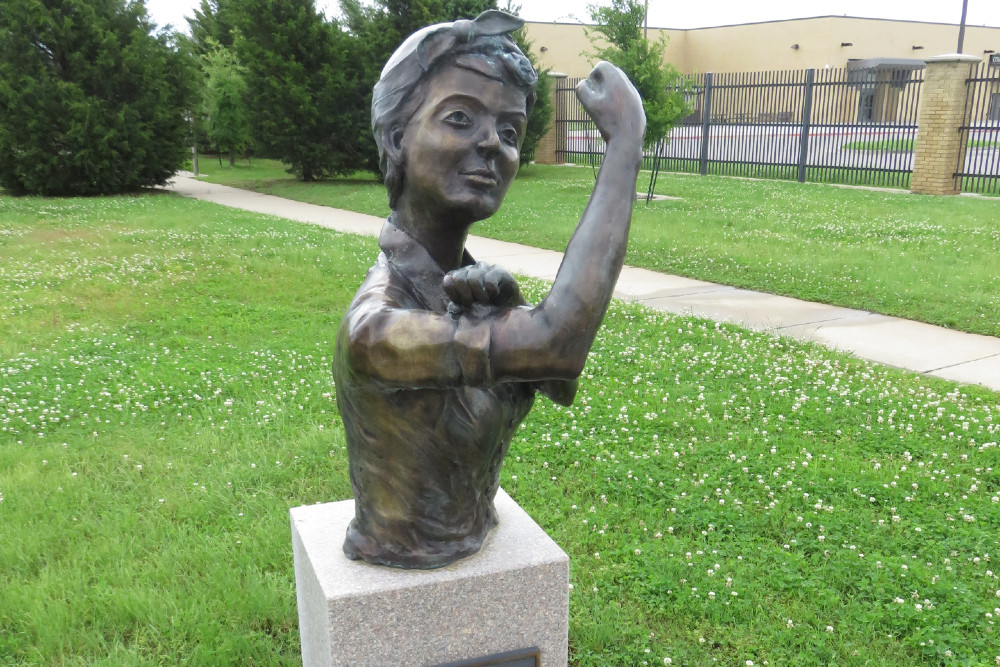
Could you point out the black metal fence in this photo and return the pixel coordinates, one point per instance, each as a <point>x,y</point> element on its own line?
<point>832,125</point>
<point>980,168</point>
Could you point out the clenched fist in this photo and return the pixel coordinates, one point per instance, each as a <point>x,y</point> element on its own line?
<point>613,103</point>
<point>483,284</point>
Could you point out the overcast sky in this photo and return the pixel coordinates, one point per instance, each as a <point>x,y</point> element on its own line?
<point>699,13</point>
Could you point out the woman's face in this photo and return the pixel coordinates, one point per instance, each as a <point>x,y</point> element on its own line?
<point>461,148</point>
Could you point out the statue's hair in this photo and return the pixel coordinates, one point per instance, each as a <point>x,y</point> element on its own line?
<point>404,83</point>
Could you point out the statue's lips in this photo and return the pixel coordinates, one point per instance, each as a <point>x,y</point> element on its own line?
<point>481,177</point>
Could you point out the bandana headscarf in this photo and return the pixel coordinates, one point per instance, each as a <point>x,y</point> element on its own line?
<point>421,50</point>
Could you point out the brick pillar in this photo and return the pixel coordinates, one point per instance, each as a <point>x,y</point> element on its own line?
<point>940,145</point>
<point>545,150</point>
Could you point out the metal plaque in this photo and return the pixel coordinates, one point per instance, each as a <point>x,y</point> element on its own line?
<point>525,657</point>
<point>995,60</point>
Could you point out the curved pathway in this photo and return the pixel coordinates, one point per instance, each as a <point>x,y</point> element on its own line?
<point>932,350</point>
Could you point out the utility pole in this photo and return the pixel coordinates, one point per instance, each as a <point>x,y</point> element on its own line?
<point>645,30</point>
<point>961,26</point>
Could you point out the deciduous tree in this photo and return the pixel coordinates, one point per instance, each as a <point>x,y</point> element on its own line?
<point>618,37</point>
<point>226,111</point>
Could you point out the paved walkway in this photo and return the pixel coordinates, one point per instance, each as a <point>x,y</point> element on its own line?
<point>932,350</point>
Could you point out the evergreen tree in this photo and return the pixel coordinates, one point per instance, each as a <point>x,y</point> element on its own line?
<point>619,38</point>
<point>541,114</point>
<point>380,28</point>
<point>302,80</point>
<point>91,101</point>
<point>395,20</point>
<point>212,23</point>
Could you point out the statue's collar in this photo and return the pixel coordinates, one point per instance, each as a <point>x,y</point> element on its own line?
<point>412,261</point>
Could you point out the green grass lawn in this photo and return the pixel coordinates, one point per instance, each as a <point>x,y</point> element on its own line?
<point>890,145</point>
<point>933,259</point>
<point>860,176</point>
<point>724,496</point>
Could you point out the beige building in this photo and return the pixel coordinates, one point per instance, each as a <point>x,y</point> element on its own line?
<point>818,42</point>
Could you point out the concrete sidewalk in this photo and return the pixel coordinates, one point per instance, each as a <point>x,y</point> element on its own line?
<point>935,351</point>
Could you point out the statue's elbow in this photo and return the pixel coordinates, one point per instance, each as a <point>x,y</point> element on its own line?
<point>576,365</point>
<point>569,361</point>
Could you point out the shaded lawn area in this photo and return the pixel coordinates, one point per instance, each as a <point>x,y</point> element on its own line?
<point>931,259</point>
<point>724,495</point>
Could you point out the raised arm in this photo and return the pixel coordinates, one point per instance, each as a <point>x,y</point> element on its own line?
<point>552,340</point>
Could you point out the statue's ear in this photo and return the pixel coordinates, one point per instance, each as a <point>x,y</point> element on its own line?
<point>394,144</point>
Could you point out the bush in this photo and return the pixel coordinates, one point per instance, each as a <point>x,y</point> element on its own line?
<point>91,101</point>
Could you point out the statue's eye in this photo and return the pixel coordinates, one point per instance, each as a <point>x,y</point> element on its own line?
<point>458,119</point>
<point>509,136</point>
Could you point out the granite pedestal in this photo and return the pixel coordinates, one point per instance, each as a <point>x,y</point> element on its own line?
<point>513,594</point>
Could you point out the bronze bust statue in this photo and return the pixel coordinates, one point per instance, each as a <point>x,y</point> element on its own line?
<point>438,357</point>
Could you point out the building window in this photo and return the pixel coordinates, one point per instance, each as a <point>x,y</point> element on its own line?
<point>866,105</point>
<point>994,112</point>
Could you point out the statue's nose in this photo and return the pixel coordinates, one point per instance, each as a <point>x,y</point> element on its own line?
<point>489,143</point>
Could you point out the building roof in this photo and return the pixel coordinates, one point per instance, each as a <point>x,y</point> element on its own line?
<point>802,18</point>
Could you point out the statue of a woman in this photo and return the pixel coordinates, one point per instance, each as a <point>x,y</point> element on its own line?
<point>438,357</point>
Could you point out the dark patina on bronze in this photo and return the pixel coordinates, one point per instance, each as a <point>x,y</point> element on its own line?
<point>438,358</point>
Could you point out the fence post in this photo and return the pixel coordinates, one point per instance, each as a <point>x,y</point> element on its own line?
<point>706,115</point>
<point>545,149</point>
<point>807,103</point>
<point>940,147</point>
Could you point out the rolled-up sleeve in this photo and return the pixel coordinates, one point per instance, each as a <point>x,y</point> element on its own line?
<point>413,348</point>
